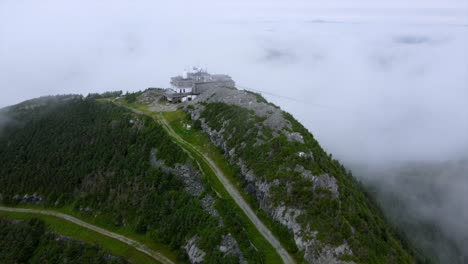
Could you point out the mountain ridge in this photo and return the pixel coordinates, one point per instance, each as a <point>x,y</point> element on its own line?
<point>280,168</point>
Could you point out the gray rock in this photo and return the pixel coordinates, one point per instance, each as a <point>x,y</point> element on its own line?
<point>157,163</point>
<point>299,168</point>
<point>307,174</point>
<point>326,181</point>
<point>295,137</point>
<point>262,192</point>
<point>274,116</point>
<point>150,96</point>
<point>287,217</point>
<point>208,204</point>
<point>259,142</point>
<point>189,175</point>
<point>308,155</point>
<point>195,254</point>
<point>250,189</point>
<point>29,199</point>
<point>229,246</point>
<point>319,253</point>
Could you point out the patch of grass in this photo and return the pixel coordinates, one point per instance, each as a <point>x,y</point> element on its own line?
<point>125,231</point>
<point>63,227</point>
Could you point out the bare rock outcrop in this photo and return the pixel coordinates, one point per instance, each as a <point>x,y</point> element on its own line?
<point>323,181</point>
<point>208,203</point>
<point>189,175</point>
<point>151,96</point>
<point>195,254</point>
<point>327,254</point>
<point>274,118</point>
<point>295,137</point>
<point>229,246</point>
<point>28,198</point>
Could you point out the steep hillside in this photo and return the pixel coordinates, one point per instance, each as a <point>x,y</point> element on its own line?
<point>290,177</point>
<point>119,168</point>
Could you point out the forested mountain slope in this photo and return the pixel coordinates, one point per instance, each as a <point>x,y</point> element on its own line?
<point>291,178</point>
<point>113,165</point>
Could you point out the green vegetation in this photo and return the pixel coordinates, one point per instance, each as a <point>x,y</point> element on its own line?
<point>104,95</point>
<point>95,158</point>
<point>252,243</point>
<point>201,141</point>
<point>353,217</point>
<point>132,97</point>
<point>63,227</point>
<point>30,241</point>
<point>91,159</point>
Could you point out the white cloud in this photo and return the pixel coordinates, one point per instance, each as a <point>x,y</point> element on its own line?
<point>390,90</point>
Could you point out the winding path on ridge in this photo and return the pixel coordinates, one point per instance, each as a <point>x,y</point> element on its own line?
<point>233,192</point>
<point>138,246</point>
<point>236,196</point>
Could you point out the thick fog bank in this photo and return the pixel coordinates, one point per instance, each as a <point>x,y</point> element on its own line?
<point>428,201</point>
<point>369,92</point>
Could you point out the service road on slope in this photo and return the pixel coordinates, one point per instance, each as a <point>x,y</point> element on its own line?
<point>138,246</point>
<point>236,196</point>
<point>232,191</point>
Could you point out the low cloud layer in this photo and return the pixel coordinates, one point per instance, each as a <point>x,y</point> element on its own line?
<point>412,40</point>
<point>275,55</point>
<point>428,200</point>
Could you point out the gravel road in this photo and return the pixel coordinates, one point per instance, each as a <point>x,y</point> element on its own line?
<point>138,246</point>
<point>227,185</point>
<point>236,196</point>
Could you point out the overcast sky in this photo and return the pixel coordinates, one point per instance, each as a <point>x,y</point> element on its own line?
<point>373,80</point>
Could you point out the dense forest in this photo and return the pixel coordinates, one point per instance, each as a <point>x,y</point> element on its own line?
<point>29,241</point>
<point>95,157</point>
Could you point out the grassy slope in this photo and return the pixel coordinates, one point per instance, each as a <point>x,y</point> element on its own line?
<point>144,239</point>
<point>202,142</point>
<point>63,227</point>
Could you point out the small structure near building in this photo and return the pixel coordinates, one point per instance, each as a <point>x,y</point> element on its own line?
<point>191,83</point>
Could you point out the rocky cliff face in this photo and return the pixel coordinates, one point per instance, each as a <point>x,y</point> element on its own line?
<point>189,175</point>
<point>260,187</point>
<point>195,254</point>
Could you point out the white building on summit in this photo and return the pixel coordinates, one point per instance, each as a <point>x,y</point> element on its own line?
<point>193,82</point>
